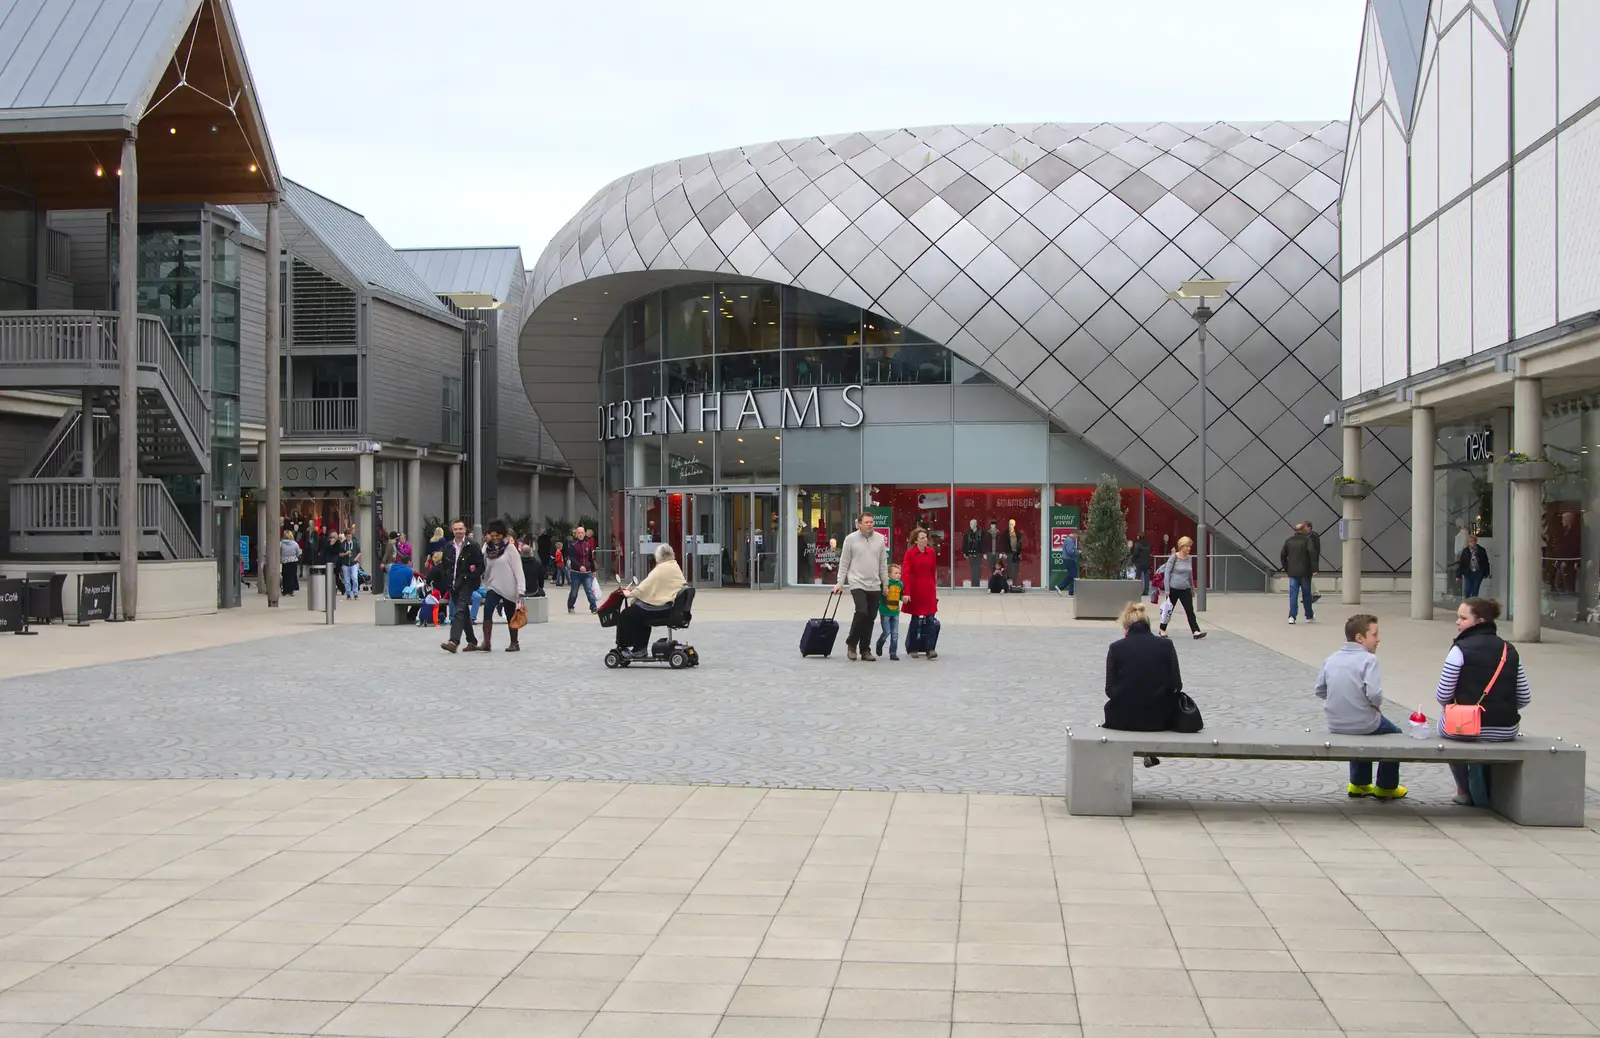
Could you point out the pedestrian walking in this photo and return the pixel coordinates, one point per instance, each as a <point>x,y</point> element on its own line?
<point>504,580</point>
<point>1472,567</point>
<point>889,606</point>
<point>864,569</point>
<point>463,561</point>
<point>580,568</point>
<point>920,569</point>
<point>350,566</point>
<point>291,564</point>
<point>1177,576</point>
<point>1139,559</point>
<point>1299,562</point>
<point>1070,557</point>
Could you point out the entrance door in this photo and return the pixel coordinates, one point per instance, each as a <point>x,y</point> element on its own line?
<point>752,549</point>
<point>644,527</point>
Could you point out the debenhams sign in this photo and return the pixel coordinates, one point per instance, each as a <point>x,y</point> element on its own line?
<point>714,412</point>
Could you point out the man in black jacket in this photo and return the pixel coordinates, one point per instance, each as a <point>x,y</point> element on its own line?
<point>465,562</point>
<point>1472,566</point>
<point>1299,561</point>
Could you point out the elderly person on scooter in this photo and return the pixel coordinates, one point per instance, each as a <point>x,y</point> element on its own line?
<point>649,603</point>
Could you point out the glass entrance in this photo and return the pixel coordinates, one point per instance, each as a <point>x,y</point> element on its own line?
<point>752,548</point>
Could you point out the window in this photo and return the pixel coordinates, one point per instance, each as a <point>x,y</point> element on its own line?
<point>911,507</point>
<point>747,318</point>
<point>642,380</point>
<point>611,345</point>
<point>820,322</point>
<point>750,456</point>
<point>18,227</point>
<point>912,364</point>
<point>688,459</point>
<point>738,372</point>
<point>688,321</point>
<point>826,515</point>
<point>688,376</point>
<point>1003,510</point>
<point>643,338</point>
<point>450,407</point>
<point>836,367</point>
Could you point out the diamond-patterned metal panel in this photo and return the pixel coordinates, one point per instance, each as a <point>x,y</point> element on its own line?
<point>1042,253</point>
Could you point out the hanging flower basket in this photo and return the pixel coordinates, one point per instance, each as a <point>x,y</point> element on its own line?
<point>1351,489</point>
<point>1533,470</point>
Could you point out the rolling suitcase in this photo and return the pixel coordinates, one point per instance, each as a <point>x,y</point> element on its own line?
<point>926,636</point>
<point>820,633</point>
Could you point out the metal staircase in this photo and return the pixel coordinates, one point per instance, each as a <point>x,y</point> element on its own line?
<point>66,508</point>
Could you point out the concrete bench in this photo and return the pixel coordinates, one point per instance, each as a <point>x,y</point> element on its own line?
<point>391,612</point>
<point>538,608</point>
<point>1534,780</point>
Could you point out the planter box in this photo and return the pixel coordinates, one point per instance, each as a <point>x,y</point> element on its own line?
<point>1526,471</point>
<point>1352,491</point>
<point>1104,599</point>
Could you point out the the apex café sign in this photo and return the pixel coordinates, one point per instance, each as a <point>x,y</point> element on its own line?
<point>734,412</point>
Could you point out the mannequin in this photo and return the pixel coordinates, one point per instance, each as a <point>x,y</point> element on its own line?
<point>994,543</point>
<point>829,563</point>
<point>972,548</point>
<point>1014,549</point>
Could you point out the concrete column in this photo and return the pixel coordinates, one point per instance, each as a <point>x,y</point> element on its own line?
<point>414,531</point>
<point>1350,590</point>
<point>128,393</point>
<point>572,499</point>
<point>365,528</point>
<point>1423,440</point>
<point>271,554</point>
<point>535,514</point>
<point>452,496</point>
<point>1527,502</point>
<point>266,532</point>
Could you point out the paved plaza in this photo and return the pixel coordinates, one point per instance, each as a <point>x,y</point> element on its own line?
<point>276,828</point>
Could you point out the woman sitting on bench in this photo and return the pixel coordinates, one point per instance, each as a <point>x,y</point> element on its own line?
<point>649,602</point>
<point>1142,678</point>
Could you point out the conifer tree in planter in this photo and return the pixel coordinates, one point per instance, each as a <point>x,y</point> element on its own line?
<point>1105,589</point>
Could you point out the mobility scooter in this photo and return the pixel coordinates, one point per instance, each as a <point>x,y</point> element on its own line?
<point>675,654</point>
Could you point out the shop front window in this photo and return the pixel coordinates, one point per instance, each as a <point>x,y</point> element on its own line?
<point>750,456</point>
<point>826,515</point>
<point>688,376</point>
<point>739,372</point>
<point>1464,503</point>
<point>1571,562</point>
<point>836,367</point>
<point>818,322</point>
<point>642,380</point>
<point>643,331</point>
<point>748,317</point>
<point>688,321</point>
<point>1008,524</point>
<point>688,459</point>
<point>911,507</point>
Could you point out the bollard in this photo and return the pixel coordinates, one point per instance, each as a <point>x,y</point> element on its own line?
<point>330,598</point>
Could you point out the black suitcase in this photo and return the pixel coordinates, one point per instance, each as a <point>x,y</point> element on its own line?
<point>927,639</point>
<point>820,633</point>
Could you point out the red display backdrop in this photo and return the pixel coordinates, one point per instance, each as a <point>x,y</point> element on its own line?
<point>1003,504</point>
<point>911,507</point>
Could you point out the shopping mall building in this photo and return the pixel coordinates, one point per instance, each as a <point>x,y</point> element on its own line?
<point>1471,292</point>
<point>956,326</point>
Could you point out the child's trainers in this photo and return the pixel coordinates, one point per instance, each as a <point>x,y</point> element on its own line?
<point>894,656</point>
<point>1361,791</point>
<point>1389,794</point>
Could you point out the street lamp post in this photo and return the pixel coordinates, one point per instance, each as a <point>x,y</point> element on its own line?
<point>1202,290</point>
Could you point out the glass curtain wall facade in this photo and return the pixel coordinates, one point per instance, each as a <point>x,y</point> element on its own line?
<point>19,242</point>
<point>1571,555</point>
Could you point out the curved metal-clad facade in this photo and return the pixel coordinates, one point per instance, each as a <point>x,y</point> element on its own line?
<point>1041,253</point>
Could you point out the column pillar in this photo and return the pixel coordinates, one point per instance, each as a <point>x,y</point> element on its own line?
<point>572,499</point>
<point>452,496</point>
<point>364,524</point>
<point>414,531</point>
<point>1424,437</point>
<point>1527,500</point>
<point>270,571</point>
<point>535,514</point>
<point>1350,582</point>
<point>128,395</point>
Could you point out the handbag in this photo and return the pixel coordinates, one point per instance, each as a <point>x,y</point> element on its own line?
<point>1465,721</point>
<point>1186,715</point>
<point>519,619</point>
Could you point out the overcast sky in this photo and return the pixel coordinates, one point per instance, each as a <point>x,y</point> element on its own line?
<point>491,122</point>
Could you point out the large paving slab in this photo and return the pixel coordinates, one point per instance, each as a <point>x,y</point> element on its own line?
<point>362,702</point>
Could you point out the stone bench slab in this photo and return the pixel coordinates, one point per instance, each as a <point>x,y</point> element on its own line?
<point>1534,779</point>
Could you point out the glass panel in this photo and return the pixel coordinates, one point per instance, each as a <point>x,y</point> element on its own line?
<point>18,230</point>
<point>738,372</point>
<point>1009,524</point>
<point>1571,571</point>
<point>819,322</point>
<point>1464,492</point>
<point>644,329</point>
<point>923,364</point>
<point>643,380</point>
<point>750,456</point>
<point>644,460</point>
<point>965,374</point>
<point>837,367</point>
<point>747,318</point>
<point>1164,525</point>
<point>688,376</point>
<point>688,321</point>
<point>911,507</point>
<point>688,460</point>
<point>224,255</point>
<point>611,345</point>
<point>14,296</point>
<point>611,384</point>
<point>826,514</point>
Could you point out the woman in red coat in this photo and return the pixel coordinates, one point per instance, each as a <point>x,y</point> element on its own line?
<point>919,572</point>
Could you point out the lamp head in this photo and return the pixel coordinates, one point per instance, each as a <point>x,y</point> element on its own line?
<point>1201,290</point>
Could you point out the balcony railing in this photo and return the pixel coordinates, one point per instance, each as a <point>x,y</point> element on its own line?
<point>58,255</point>
<point>53,514</point>
<point>335,414</point>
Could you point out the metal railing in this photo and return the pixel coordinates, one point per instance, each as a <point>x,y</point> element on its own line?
<point>324,415</point>
<point>42,339</point>
<point>88,508</point>
<point>1228,572</point>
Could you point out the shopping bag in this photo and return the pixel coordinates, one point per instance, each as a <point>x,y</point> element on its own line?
<point>519,619</point>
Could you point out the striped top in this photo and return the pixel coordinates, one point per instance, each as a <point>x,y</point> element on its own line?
<point>1450,677</point>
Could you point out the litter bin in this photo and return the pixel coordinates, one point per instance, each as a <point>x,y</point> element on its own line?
<point>317,590</point>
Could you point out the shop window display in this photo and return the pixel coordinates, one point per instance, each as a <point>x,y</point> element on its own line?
<point>1008,523</point>
<point>1570,568</point>
<point>911,507</point>
<point>826,515</point>
<point>1464,503</point>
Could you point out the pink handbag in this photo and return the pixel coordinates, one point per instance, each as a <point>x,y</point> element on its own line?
<point>1467,721</point>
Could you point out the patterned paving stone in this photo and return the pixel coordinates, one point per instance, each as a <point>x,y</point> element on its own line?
<point>986,717</point>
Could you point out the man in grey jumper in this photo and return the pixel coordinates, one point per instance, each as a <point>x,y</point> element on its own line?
<point>864,569</point>
<point>1350,685</point>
